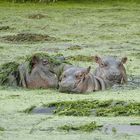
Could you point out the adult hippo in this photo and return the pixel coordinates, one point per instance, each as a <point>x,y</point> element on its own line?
<point>36,72</point>
<point>111,70</point>
<point>39,76</point>
<point>79,80</point>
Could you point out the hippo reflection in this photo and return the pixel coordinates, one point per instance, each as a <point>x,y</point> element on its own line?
<point>77,79</point>
<point>40,75</point>
<point>111,70</point>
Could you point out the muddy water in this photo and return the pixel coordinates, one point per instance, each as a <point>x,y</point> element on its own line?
<point>121,129</point>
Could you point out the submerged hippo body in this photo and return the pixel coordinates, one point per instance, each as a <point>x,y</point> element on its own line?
<point>40,75</point>
<point>79,80</point>
<point>111,70</point>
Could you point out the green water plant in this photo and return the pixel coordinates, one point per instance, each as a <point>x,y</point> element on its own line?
<point>89,127</point>
<point>6,69</point>
<point>96,108</point>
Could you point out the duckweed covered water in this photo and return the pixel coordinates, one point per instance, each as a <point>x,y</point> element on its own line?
<point>87,108</point>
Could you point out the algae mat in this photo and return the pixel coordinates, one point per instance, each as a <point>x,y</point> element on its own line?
<point>79,31</point>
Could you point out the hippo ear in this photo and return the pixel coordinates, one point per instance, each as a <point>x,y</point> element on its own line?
<point>35,60</point>
<point>124,59</point>
<point>97,59</point>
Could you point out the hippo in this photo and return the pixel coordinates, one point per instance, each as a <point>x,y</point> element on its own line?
<point>39,77</point>
<point>111,70</point>
<point>80,80</point>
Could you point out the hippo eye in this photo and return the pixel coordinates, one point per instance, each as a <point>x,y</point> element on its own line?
<point>79,76</point>
<point>103,65</point>
<point>45,62</point>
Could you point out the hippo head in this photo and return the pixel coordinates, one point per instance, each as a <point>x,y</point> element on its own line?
<point>41,76</point>
<point>41,63</point>
<point>111,69</point>
<point>72,79</point>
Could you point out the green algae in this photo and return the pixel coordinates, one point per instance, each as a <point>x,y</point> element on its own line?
<point>28,110</point>
<point>134,123</point>
<point>83,58</point>
<point>51,58</point>
<point>89,127</point>
<point>96,108</point>
<point>75,47</point>
<point>55,62</point>
<point>28,37</point>
<point>7,69</point>
<point>2,129</point>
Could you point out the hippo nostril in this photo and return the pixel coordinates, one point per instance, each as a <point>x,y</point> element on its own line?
<point>114,73</point>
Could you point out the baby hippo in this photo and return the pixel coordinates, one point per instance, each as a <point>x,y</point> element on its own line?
<point>79,80</point>
<point>111,70</point>
<point>40,75</point>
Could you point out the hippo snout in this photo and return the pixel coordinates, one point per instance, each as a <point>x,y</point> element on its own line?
<point>114,76</point>
<point>66,86</point>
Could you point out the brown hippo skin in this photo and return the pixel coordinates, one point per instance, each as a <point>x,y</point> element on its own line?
<point>79,80</point>
<point>40,75</point>
<point>111,70</point>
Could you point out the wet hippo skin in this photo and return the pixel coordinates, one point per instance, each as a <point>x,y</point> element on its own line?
<point>111,70</point>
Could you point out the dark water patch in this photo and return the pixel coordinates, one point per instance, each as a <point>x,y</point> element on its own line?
<point>40,110</point>
<point>28,37</point>
<point>96,108</point>
<point>86,128</point>
<point>36,16</point>
<point>120,129</point>
<point>43,110</point>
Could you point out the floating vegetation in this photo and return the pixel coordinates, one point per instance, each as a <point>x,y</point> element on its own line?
<point>81,58</point>
<point>2,129</point>
<point>89,127</point>
<point>36,16</point>
<point>53,60</point>
<point>75,47</point>
<point>4,28</point>
<point>135,123</point>
<point>96,108</point>
<point>28,37</point>
<point>28,110</point>
<point>7,69</point>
